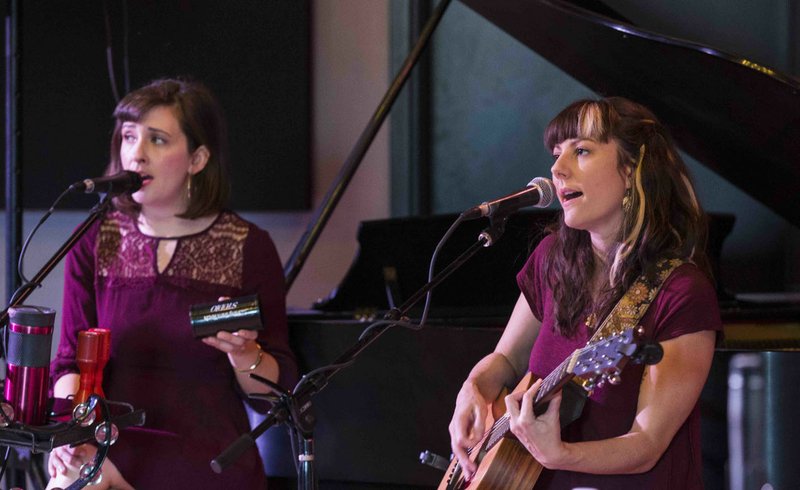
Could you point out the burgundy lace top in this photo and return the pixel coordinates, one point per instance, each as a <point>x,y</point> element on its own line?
<point>194,407</point>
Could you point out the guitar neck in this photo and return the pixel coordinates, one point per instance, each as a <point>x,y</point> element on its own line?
<point>551,384</point>
<point>554,382</point>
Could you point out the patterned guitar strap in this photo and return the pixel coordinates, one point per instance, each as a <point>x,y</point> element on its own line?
<point>634,303</point>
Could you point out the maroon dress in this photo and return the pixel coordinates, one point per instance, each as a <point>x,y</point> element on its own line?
<point>194,406</point>
<point>687,303</point>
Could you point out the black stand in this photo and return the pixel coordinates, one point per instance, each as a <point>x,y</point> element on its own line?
<point>295,409</point>
<point>28,288</point>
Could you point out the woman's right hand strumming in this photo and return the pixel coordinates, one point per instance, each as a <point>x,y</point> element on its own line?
<point>468,424</point>
<point>488,378</point>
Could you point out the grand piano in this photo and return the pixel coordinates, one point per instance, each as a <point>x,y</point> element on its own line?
<point>377,415</point>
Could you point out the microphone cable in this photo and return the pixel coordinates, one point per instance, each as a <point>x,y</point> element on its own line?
<point>112,78</point>
<point>26,283</point>
<point>310,376</point>
<point>20,262</point>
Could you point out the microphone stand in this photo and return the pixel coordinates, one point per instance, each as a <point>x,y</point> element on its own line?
<point>295,408</point>
<point>26,289</point>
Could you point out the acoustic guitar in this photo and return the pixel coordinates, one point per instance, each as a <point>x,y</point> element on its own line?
<point>503,462</point>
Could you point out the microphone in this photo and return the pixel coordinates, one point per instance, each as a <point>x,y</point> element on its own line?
<point>539,193</point>
<point>125,181</point>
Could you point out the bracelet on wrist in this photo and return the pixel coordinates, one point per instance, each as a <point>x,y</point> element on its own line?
<point>255,364</point>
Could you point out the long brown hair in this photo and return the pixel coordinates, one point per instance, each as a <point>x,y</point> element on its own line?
<point>662,220</point>
<point>201,120</point>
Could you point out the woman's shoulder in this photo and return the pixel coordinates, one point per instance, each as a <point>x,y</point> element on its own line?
<point>255,239</point>
<point>232,219</point>
<point>119,219</point>
<point>111,223</point>
<point>688,278</point>
<point>687,301</point>
<point>545,244</point>
<point>542,251</point>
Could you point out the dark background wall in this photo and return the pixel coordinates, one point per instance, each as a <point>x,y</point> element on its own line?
<point>253,54</point>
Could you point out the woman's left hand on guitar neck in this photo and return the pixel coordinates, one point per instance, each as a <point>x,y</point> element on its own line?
<point>540,435</point>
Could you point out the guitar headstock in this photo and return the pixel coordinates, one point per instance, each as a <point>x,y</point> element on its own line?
<point>604,359</point>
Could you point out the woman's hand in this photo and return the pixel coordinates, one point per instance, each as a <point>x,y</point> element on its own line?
<point>540,435</point>
<point>241,346</point>
<point>468,425</point>
<point>64,466</point>
<point>68,459</point>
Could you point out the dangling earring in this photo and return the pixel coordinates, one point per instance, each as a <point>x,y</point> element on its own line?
<point>189,188</point>
<point>627,201</point>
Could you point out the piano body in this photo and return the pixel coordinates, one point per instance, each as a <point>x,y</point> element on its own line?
<point>377,415</point>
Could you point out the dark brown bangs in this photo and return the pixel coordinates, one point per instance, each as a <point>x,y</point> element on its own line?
<point>587,119</point>
<point>135,106</point>
<point>138,103</point>
<point>129,113</point>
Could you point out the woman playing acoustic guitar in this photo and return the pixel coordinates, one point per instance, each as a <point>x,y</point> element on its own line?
<point>628,204</point>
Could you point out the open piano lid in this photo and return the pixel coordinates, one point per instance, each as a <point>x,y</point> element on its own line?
<point>739,118</point>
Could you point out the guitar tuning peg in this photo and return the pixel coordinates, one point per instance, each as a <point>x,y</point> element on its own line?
<point>614,377</point>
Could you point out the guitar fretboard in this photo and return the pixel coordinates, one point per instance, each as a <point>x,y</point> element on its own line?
<point>563,372</point>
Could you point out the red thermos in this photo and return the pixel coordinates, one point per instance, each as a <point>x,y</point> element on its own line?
<point>86,358</point>
<point>103,354</point>
<point>30,335</point>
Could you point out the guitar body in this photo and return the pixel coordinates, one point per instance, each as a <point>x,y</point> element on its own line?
<point>505,466</point>
<point>503,463</point>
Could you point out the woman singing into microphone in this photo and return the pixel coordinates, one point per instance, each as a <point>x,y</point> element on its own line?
<point>170,245</point>
<point>627,205</point>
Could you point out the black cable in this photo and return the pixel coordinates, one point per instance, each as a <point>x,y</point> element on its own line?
<point>310,376</point>
<point>112,78</point>
<point>126,75</point>
<point>399,322</point>
<point>432,266</point>
<point>20,261</point>
<point>429,295</point>
<point>26,283</point>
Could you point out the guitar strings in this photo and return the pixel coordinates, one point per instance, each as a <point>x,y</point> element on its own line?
<point>501,425</point>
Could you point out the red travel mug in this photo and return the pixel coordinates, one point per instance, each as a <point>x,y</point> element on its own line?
<point>30,335</point>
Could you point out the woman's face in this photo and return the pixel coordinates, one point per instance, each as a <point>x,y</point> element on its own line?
<point>590,187</point>
<point>157,149</point>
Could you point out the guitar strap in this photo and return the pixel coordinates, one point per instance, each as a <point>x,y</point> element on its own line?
<point>634,303</point>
